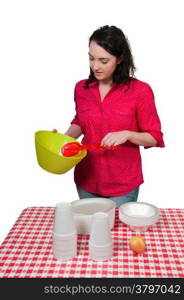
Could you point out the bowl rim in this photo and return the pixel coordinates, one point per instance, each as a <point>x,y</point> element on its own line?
<point>84,199</point>
<point>157,211</point>
<point>81,155</point>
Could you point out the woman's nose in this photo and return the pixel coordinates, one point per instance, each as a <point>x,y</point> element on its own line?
<point>95,66</point>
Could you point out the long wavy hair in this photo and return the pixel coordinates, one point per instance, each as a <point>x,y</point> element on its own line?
<point>114,41</point>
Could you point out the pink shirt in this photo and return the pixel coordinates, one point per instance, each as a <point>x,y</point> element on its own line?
<point>119,171</point>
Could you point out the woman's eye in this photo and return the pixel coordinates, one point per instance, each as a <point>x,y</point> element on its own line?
<point>103,62</point>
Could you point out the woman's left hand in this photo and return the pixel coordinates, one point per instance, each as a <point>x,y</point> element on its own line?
<point>115,138</point>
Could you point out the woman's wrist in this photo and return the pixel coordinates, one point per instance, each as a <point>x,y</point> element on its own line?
<point>141,138</point>
<point>131,135</point>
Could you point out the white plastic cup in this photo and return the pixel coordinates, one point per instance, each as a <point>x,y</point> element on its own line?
<point>100,256</point>
<point>100,253</point>
<point>100,242</point>
<point>100,230</point>
<point>63,219</point>
<point>63,255</point>
<point>64,243</point>
<point>63,248</point>
<point>101,249</point>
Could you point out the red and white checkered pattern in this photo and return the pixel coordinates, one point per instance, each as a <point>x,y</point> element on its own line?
<point>27,250</point>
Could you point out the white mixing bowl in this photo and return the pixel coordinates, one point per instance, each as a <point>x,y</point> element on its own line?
<point>83,210</point>
<point>139,216</point>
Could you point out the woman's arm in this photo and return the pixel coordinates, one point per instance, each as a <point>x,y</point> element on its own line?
<point>120,137</point>
<point>142,139</point>
<point>74,131</point>
<point>147,119</point>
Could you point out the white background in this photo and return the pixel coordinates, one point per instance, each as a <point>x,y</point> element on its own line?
<point>43,53</point>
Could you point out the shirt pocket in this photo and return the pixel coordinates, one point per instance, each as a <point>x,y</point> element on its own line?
<point>120,120</point>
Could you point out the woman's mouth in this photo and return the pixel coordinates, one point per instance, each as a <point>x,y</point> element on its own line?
<point>98,73</point>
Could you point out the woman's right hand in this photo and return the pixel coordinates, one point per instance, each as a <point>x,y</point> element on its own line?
<point>54,130</point>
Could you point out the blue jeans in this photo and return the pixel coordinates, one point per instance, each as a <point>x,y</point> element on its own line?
<point>132,196</point>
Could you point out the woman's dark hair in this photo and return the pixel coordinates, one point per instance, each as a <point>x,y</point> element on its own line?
<point>113,40</point>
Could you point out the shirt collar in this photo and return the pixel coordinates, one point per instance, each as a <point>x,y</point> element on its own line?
<point>96,83</point>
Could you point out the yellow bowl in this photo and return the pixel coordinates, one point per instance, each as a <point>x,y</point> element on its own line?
<point>48,146</point>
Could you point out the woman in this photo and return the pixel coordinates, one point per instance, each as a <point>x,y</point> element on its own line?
<point>113,108</point>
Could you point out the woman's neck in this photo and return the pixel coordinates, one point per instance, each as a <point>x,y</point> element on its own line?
<point>107,82</point>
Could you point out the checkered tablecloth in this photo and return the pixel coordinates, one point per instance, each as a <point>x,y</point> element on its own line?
<point>27,250</point>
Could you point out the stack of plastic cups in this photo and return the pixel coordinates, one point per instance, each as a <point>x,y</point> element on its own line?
<point>100,242</point>
<point>64,233</point>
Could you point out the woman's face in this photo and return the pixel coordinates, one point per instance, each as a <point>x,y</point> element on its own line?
<point>102,63</point>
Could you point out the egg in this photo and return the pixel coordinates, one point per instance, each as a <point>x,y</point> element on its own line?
<point>137,244</point>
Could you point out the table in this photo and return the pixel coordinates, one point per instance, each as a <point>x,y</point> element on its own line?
<point>26,252</point>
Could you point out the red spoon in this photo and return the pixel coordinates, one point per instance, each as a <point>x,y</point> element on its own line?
<point>71,149</point>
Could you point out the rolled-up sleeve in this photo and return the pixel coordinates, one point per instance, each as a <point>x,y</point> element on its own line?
<point>147,116</point>
<point>75,119</point>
